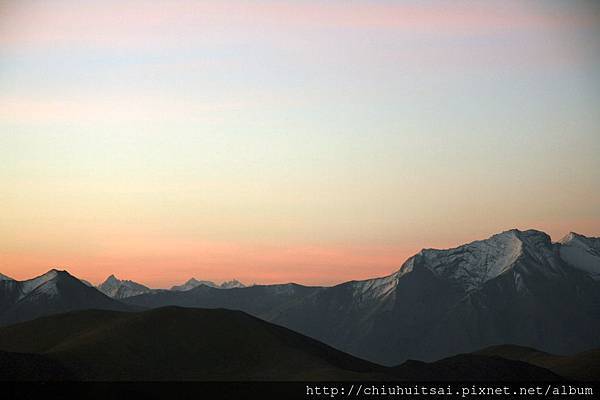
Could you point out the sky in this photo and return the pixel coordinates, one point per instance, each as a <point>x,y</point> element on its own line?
<point>289,141</point>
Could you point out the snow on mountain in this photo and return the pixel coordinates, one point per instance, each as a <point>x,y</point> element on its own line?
<point>32,284</point>
<point>120,289</point>
<point>5,278</point>
<point>194,283</point>
<point>44,283</point>
<point>581,252</point>
<point>232,284</point>
<point>374,289</point>
<point>473,264</point>
<point>468,266</point>
<point>46,289</point>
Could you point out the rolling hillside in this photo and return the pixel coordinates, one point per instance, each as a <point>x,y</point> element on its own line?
<point>179,344</point>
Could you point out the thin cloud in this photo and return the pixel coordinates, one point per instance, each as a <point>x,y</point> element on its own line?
<point>143,24</point>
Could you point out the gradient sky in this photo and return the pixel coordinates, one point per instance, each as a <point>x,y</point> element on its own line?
<point>274,141</point>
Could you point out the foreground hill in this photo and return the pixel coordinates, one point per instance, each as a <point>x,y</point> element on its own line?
<point>51,293</point>
<point>584,366</point>
<point>514,287</point>
<point>197,344</point>
<point>475,368</point>
<point>180,344</point>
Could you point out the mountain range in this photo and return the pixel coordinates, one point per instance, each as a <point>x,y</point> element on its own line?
<point>516,287</point>
<point>194,283</point>
<point>121,289</point>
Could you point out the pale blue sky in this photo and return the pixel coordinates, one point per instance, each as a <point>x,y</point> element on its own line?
<point>293,124</point>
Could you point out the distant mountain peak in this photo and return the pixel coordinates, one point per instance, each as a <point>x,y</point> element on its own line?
<point>112,279</point>
<point>234,283</point>
<point>58,271</point>
<point>191,284</point>
<point>194,283</point>
<point>119,289</point>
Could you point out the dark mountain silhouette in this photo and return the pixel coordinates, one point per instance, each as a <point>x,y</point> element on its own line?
<point>267,302</point>
<point>515,287</point>
<point>51,293</point>
<point>198,344</point>
<point>180,344</point>
<point>584,366</point>
<point>473,367</point>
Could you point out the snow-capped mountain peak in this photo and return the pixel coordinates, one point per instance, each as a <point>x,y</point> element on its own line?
<point>32,284</point>
<point>193,283</point>
<point>582,253</point>
<point>44,284</point>
<point>473,264</point>
<point>112,280</point>
<point>232,284</point>
<point>119,289</point>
